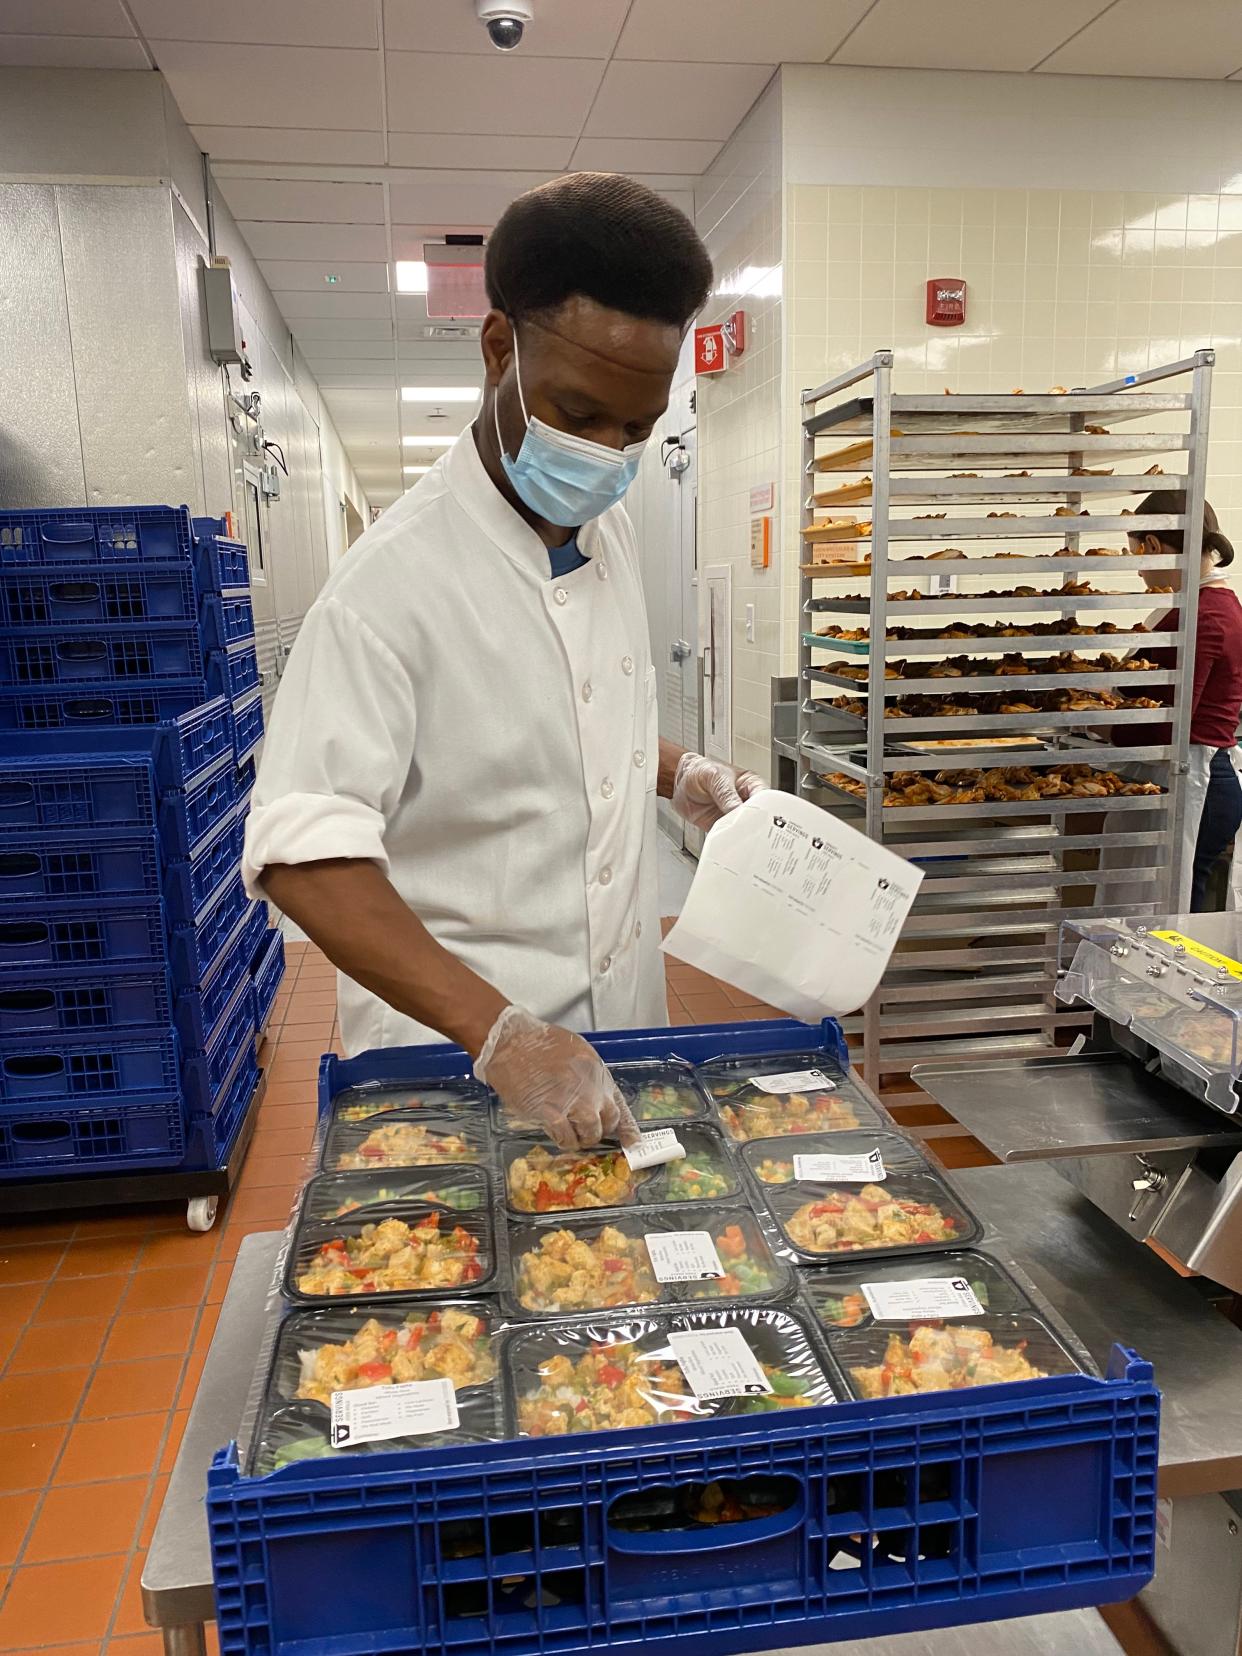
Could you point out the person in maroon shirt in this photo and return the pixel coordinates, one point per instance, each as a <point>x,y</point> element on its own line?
<point>1213,794</point>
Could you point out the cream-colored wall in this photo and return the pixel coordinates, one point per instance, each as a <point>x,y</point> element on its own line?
<point>739,213</point>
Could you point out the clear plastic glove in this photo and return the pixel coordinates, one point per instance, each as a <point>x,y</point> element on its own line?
<point>543,1073</point>
<point>704,790</point>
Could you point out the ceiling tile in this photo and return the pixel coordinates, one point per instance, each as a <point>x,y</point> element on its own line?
<point>306,202</point>
<point>324,327</point>
<point>636,155</point>
<point>71,52</point>
<point>69,17</point>
<point>497,94</point>
<point>674,100</point>
<point>368,414</point>
<point>1201,39</point>
<point>226,85</point>
<point>346,352</point>
<point>981,34</point>
<point>332,302</point>
<point>326,242</point>
<point>561,28</point>
<point>307,276</point>
<point>295,145</point>
<point>738,31</point>
<point>456,149</point>
<point>276,22</point>
<point>447,198</point>
<point>349,380</point>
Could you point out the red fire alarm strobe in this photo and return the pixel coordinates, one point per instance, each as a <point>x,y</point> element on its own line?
<point>710,356</point>
<point>946,302</point>
<point>735,333</point>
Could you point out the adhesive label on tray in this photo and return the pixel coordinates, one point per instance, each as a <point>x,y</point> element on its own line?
<point>926,1297</point>
<point>868,1169</point>
<point>654,1149</point>
<point>719,1363</point>
<point>683,1256</point>
<point>374,1413</point>
<point>796,1081</point>
<point>1200,951</point>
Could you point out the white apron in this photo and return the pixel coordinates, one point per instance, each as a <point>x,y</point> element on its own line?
<point>489,737</point>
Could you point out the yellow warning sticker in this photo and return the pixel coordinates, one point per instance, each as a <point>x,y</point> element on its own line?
<point>1198,951</point>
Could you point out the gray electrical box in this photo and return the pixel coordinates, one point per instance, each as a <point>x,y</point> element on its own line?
<point>224,336</point>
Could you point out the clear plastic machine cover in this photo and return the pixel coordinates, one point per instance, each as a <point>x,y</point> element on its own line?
<point>1172,989</point>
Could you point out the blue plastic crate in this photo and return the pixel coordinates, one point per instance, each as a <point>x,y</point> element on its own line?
<point>247,727</point>
<point>188,815</point>
<point>188,745</point>
<point>57,866</point>
<point>222,565</point>
<point>908,1514</point>
<point>96,534</point>
<point>204,1075</point>
<point>60,779</point>
<point>267,971</point>
<point>112,656</point>
<point>77,710</point>
<point>192,885</point>
<point>210,1139</point>
<point>34,1069</point>
<point>49,1002</point>
<point>198,1009</point>
<point>196,948</point>
<point>233,672</point>
<point>101,1138</point>
<point>226,620</point>
<point>122,594</point>
<point>67,934</point>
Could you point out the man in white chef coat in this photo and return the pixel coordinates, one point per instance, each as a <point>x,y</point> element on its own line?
<point>456,799</point>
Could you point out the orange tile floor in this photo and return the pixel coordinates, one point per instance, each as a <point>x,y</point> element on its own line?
<point>104,1326</point>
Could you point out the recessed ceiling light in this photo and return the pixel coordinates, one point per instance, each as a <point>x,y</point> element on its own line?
<point>411,276</point>
<point>410,471</point>
<point>426,439</point>
<point>440,393</point>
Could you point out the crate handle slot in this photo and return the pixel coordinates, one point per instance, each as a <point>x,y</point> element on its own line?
<point>74,592</point>
<point>92,711</point>
<point>67,534</point>
<point>13,794</point>
<point>83,649</point>
<point>27,1000</point>
<point>701,1537</point>
<point>32,1065</point>
<point>40,1132</point>
<point>15,865</point>
<point>16,932</point>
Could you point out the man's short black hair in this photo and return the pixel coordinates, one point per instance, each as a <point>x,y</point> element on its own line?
<point>602,236</point>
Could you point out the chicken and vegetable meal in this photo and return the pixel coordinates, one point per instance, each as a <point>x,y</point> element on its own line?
<point>393,1257</point>
<point>842,1221</point>
<point>451,1344</point>
<point>943,1359</point>
<point>544,1181</point>
<point>768,1115</point>
<point>745,1271</point>
<point>697,1178</point>
<point>565,1272</point>
<point>664,1101</point>
<point>458,1197</point>
<point>407,1144</point>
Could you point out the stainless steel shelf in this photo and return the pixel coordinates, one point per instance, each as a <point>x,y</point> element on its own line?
<point>1000,491</point>
<point>1012,528</point>
<point>997,453</point>
<point>1051,411</point>
<point>967,603</point>
<point>1047,563</point>
<point>992,683</point>
<point>1102,755</point>
<point>1025,643</point>
<point>899,730</point>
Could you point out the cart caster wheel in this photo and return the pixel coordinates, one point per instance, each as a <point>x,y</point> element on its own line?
<point>200,1214</point>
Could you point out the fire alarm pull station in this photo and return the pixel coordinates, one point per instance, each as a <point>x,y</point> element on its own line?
<point>946,302</point>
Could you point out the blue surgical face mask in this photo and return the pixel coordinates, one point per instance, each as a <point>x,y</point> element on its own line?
<point>564,479</point>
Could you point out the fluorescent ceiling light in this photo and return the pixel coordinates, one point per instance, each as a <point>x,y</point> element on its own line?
<point>440,393</point>
<point>424,439</point>
<point>411,276</point>
<point>411,471</point>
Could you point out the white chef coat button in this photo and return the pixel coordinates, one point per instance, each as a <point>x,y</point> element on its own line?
<point>640,758</point>
<point>561,596</point>
<point>587,691</point>
<point>601,569</point>
<point>605,876</point>
<point>606,788</point>
<point>638,928</point>
<point>627,665</point>
<point>604,964</point>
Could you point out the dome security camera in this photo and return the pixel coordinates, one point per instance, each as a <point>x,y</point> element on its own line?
<point>505,22</point>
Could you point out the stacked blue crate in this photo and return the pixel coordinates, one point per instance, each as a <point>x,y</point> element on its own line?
<point>134,972</point>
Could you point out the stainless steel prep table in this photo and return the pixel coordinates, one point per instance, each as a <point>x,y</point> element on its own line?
<point>1105,1285</point>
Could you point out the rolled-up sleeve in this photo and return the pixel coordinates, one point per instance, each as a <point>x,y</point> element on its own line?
<point>338,749</point>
